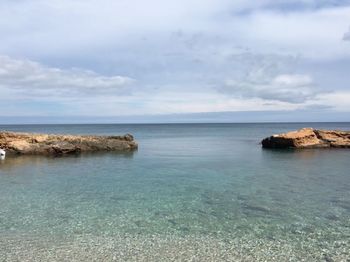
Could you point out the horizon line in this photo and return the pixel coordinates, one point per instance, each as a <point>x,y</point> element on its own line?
<point>181,123</point>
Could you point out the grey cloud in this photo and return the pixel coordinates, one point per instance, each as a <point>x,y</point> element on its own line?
<point>346,36</point>
<point>295,5</point>
<point>318,107</point>
<point>264,77</point>
<point>284,88</point>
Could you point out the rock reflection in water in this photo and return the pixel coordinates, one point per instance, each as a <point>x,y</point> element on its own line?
<point>20,161</point>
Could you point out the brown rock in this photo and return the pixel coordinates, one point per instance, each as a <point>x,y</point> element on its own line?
<point>42,144</point>
<point>309,138</point>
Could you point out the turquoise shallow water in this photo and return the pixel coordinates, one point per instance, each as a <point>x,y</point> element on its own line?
<point>201,183</point>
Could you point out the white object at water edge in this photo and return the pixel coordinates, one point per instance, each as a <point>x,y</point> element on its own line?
<point>2,154</point>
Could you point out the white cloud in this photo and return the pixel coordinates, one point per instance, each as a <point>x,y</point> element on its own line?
<point>33,78</point>
<point>210,102</point>
<point>338,100</point>
<point>292,81</point>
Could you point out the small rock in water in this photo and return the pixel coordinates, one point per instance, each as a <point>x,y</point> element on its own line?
<point>172,221</point>
<point>328,258</point>
<point>343,203</point>
<point>332,216</point>
<point>255,207</point>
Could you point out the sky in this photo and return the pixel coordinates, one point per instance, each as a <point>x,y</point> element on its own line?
<point>174,61</point>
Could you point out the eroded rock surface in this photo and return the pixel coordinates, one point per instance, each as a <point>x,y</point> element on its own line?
<point>309,138</point>
<point>43,144</point>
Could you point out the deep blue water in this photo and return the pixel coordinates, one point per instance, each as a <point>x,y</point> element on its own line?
<point>184,180</point>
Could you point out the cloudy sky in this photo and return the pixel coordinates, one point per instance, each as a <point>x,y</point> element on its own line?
<point>128,60</point>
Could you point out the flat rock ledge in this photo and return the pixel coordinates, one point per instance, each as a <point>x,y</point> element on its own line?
<point>309,138</point>
<point>44,144</point>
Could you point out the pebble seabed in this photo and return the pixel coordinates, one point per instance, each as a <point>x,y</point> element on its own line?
<point>128,247</point>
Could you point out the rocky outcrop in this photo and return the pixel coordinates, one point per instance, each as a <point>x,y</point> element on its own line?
<point>43,144</point>
<point>309,138</point>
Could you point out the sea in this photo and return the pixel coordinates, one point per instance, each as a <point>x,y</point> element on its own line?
<point>191,192</point>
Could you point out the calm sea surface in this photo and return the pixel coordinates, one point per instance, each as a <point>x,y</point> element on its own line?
<point>191,191</point>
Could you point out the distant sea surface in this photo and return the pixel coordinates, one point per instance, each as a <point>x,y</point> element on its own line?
<point>192,192</point>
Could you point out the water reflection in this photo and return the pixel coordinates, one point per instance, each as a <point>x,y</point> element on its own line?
<point>303,154</point>
<point>19,161</point>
